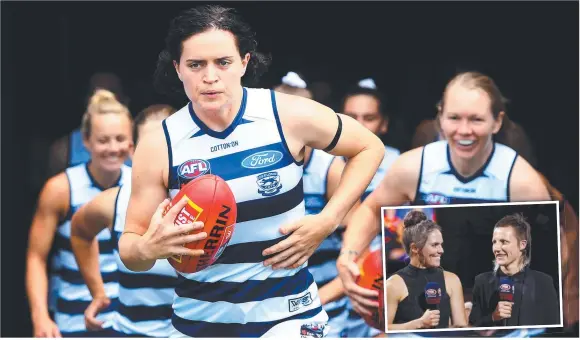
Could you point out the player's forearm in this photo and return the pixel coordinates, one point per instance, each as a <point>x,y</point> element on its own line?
<point>37,286</point>
<point>364,226</point>
<point>356,177</point>
<point>87,256</point>
<point>132,254</point>
<point>331,291</point>
<point>411,325</point>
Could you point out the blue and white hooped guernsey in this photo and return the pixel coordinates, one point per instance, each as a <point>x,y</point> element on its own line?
<point>145,298</point>
<point>322,264</point>
<point>440,183</point>
<point>238,296</point>
<point>73,294</point>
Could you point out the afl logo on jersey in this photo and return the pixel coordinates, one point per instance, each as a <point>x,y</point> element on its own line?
<point>193,168</point>
<point>435,199</point>
<point>262,159</point>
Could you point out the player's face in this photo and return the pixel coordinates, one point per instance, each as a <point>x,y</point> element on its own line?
<point>467,122</point>
<point>433,249</point>
<point>110,141</point>
<point>211,69</point>
<point>506,248</point>
<point>365,110</point>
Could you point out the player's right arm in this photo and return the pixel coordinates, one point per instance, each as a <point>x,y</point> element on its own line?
<point>396,291</point>
<point>53,205</point>
<point>86,224</point>
<point>148,235</point>
<point>397,187</point>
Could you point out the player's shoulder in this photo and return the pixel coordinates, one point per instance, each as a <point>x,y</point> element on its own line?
<point>103,205</point>
<point>55,194</point>
<point>450,276</point>
<point>395,286</point>
<point>57,184</point>
<point>483,277</point>
<point>541,277</point>
<point>395,280</point>
<point>408,162</point>
<point>526,183</point>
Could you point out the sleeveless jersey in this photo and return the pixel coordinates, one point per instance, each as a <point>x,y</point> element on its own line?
<point>73,294</point>
<point>440,183</point>
<point>145,298</point>
<point>238,296</point>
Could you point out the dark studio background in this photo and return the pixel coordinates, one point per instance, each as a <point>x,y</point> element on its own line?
<point>50,49</point>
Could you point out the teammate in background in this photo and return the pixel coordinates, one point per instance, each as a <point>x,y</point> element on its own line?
<point>322,173</point>
<point>70,150</point>
<point>366,105</point>
<point>466,167</point>
<point>106,129</point>
<point>208,50</point>
<point>144,298</point>
<point>512,135</point>
<point>293,84</point>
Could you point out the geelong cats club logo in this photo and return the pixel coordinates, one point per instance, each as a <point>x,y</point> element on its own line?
<point>269,183</point>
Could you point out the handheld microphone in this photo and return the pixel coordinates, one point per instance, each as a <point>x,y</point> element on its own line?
<point>506,292</point>
<point>433,294</point>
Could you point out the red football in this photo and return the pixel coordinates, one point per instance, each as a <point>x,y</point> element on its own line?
<point>371,277</point>
<point>211,201</point>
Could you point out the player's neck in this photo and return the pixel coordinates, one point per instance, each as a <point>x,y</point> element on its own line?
<point>512,268</point>
<point>416,263</point>
<point>467,167</point>
<point>221,119</point>
<point>104,179</point>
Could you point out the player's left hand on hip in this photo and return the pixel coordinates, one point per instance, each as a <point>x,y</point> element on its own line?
<point>306,235</point>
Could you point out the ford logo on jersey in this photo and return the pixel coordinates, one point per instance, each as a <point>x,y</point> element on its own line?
<point>193,168</point>
<point>262,159</point>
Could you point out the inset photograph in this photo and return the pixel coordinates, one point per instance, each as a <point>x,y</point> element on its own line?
<point>472,267</point>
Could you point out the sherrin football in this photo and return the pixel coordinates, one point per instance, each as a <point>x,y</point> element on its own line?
<point>371,277</point>
<point>211,201</point>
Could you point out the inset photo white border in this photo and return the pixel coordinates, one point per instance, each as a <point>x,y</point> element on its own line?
<point>454,206</point>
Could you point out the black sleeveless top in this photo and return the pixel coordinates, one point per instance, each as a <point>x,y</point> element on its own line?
<point>414,305</point>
